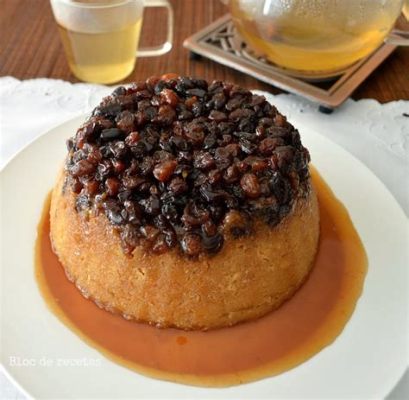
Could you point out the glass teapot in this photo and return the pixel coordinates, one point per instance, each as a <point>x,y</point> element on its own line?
<point>314,36</point>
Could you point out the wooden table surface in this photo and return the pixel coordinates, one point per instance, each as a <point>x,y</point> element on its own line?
<point>30,48</point>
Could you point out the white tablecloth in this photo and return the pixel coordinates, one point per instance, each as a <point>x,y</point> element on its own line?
<point>377,134</point>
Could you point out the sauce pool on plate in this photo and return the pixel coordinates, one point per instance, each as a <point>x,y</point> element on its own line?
<point>275,343</point>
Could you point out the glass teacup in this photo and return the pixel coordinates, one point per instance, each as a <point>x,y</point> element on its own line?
<point>101,37</point>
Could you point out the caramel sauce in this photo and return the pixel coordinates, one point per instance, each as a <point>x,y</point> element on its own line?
<point>283,339</point>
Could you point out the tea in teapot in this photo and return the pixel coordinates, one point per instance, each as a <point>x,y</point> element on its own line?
<point>314,36</point>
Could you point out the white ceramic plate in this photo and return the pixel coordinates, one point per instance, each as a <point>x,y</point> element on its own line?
<point>49,361</point>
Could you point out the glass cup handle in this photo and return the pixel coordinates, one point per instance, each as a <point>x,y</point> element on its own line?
<point>167,45</point>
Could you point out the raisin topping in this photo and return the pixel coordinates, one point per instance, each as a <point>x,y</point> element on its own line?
<point>177,162</point>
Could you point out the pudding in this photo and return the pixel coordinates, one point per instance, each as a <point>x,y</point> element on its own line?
<point>185,204</point>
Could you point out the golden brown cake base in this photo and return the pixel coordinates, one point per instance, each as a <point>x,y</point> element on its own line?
<point>247,278</point>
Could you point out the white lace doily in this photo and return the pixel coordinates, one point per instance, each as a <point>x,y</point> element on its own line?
<point>377,134</point>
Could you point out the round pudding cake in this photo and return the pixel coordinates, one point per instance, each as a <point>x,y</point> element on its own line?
<point>185,204</point>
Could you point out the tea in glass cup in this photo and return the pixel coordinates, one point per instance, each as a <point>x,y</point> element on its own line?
<point>317,36</point>
<point>100,37</point>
